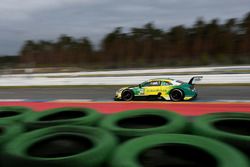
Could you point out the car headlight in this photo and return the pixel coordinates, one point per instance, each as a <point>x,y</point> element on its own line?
<point>119,91</point>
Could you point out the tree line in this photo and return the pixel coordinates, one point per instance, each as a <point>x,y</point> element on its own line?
<point>8,61</point>
<point>203,43</point>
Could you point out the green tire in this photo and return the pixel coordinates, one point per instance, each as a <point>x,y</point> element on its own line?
<point>232,128</point>
<point>13,114</point>
<point>8,132</point>
<point>60,146</point>
<point>176,150</point>
<point>135,123</point>
<point>62,116</point>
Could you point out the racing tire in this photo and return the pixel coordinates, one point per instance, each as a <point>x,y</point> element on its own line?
<point>60,146</point>
<point>176,150</point>
<point>13,114</point>
<point>61,116</point>
<point>135,123</point>
<point>127,95</point>
<point>232,128</point>
<point>176,95</point>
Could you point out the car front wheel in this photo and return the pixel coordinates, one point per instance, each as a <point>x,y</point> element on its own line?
<point>127,95</point>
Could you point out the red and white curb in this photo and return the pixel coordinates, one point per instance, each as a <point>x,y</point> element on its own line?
<point>110,100</point>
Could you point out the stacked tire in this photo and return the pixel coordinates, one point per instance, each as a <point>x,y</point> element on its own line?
<point>62,116</point>
<point>60,146</point>
<point>11,119</point>
<point>7,133</point>
<point>177,150</point>
<point>14,114</point>
<point>135,123</point>
<point>231,128</point>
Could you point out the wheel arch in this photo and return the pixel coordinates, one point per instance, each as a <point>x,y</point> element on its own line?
<point>177,88</point>
<point>129,90</point>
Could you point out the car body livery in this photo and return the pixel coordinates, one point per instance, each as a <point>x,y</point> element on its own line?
<point>161,88</point>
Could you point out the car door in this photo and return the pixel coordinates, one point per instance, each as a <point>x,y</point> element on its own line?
<point>152,88</point>
<point>165,88</point>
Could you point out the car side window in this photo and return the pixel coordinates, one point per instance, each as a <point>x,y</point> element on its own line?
<point>152,83</point>
<point>155,83</point>
<point>165,83</point>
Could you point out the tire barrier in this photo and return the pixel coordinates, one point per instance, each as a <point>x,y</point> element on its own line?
<point>176,150</point>
<point>135,123</point>
<point>13,113</point>
<point>232,128</point>
<point>67,140</point>
<point>62,116</point>
<point>60,146</point>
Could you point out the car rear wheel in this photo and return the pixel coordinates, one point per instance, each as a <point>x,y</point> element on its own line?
<point>127,95</point>
<point>176,95</point>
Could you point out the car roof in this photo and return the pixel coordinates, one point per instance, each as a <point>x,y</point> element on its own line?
<point>161,79</point>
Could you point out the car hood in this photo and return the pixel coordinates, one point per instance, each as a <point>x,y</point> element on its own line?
<point>121,89</point>
<point>128,87</point>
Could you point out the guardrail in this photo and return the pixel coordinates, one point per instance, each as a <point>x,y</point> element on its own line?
<point>220,69</point>
<point>124,80</point>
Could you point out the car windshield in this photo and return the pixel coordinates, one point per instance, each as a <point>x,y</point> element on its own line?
<point>145,84</point>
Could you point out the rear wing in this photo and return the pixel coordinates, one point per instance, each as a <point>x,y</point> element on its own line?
<point>195,79</point>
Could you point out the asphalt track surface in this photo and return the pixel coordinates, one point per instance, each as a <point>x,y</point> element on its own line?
<point>106,93</point>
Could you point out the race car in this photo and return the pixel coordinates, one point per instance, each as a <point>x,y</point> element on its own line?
<point>160,88</point>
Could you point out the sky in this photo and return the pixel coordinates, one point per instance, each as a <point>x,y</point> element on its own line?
<point>48,19</point>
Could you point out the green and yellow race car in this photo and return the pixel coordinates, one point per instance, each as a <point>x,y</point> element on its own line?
<point>161,88</point>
